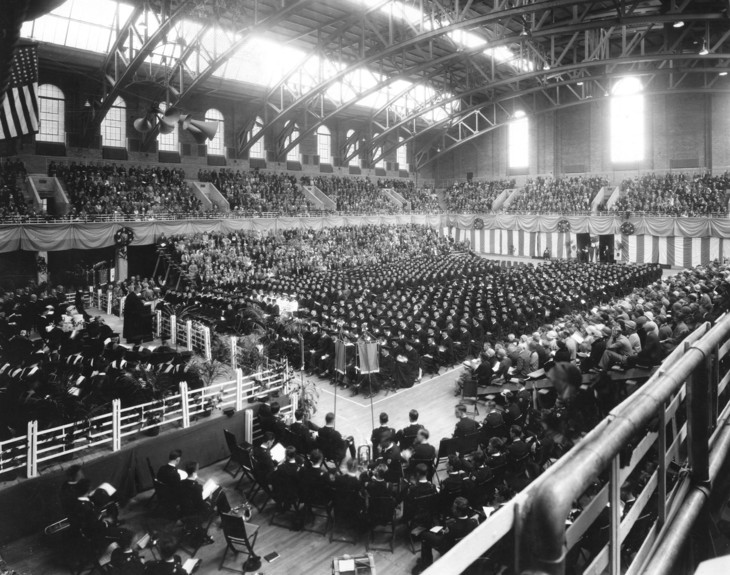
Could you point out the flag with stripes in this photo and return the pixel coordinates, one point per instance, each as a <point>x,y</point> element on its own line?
<point>19,107</point>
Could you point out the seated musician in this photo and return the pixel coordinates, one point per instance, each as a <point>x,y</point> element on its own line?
<point>195,504</point>
<point>76,486</point>
<point>456,528</point>
<point>125,560</point>
<point>331,441</point>
<point>88,520</point>
<point>169,562</point>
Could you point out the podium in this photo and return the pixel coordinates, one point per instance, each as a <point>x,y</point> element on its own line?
<point>354,565</point>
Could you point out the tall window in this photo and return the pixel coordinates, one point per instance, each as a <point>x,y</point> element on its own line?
<point>53,114</point>
<point>353,148</point>
<point>518,141</point>
<point>401,155</point>
<point>627,121</point>
<point>324,145</point>
<point>381,162</point>
<point>293,154</point>
<point>216,146</point>
<point>257,149</point>
<point>167,142</point>
<point>114,125</point>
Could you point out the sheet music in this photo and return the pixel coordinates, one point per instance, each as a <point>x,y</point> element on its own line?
<point>190,565</point>
<point>182,474</point>
<point>209,487</point>
<point>278,452</point>
<point>110,489</point>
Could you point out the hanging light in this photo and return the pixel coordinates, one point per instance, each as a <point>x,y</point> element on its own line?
<point>678,24</point>
<point>723,74</point>
<point>704,51</point>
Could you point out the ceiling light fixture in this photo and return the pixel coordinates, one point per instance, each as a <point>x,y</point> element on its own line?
<point>580,83</point>
<point>723,73</point>
<point>704,51</point>
<point>678,24</point>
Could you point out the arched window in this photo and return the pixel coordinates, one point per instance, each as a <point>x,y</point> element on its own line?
<point>293,154</point>
<point>257,149</point>
<point>353,148</point>
<point>627,121</point>
<point>518,141</point>
<point>52,105</point>
<point>167,142</point>
<point>114,125</point>
<point>324,145</point>
<point>402,155</point>
<point>216,146</point>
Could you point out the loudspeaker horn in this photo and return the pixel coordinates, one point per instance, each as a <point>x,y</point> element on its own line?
<point>142,125</point>
<point>166,128</point>
<point>170,117</point>
<point>201,131</point>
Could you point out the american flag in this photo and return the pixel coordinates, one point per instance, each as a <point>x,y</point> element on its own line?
<point>19,107</point>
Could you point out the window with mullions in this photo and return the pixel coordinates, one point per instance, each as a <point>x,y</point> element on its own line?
<point>293,154</point>
<point>324,145</point>
<point>114,125</point>
<point>402,155</point>
<point>627,121</point>
<point>353,148</point>
<point>518,141</point>
<point>167,142</point>
<point>257,149</point>
<point>216,146</point>
<point>52,104</point>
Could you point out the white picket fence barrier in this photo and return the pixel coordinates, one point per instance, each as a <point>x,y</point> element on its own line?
<point>41,448</point>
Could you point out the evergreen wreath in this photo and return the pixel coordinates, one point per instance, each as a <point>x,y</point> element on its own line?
<point>478,223</point>
<point>627,228</point>
<point>123,237</point>
<point>564,226</point>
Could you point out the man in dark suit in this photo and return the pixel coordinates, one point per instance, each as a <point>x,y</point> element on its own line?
<point>465,426</point>
<point>314,481</point>
<point>380,433</point>
<point>169,474</point>
<point>348,493</point>
<point>193,507</point>
<point>331,442</point>
<point>406,436</point>
<point>263,461</point>
<point>456,529</point>
<point>306,430</point>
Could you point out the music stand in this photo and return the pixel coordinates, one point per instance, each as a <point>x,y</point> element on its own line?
<point>367,362</point>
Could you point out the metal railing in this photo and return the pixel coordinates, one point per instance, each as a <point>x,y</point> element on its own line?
<point>212,215</point>
<point>533,526</point>
<point>40,448</point>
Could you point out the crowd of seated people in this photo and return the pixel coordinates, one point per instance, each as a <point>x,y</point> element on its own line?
<point>256,192</point>
<point>428,310</point>
<point>247,258</point>
<point>678,195</point>
<point>422,200</point>
<point>475,197</point>
<point>60,365</point>
<point>111,189</point>
<point>558,195</point>
<point>12,202</point>
<point>355,195</point>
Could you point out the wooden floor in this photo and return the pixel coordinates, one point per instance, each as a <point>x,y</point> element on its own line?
<point>300,552</point>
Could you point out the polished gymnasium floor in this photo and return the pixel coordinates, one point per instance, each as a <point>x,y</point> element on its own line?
<point>300,552</point>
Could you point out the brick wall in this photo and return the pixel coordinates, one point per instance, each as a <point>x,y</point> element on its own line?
<point>684,132</point>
